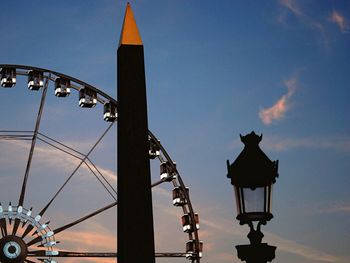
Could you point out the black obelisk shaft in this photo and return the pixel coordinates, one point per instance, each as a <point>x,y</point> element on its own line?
<point>135,215</point>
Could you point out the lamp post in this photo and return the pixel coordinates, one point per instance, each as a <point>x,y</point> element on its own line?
<point>252,176</point>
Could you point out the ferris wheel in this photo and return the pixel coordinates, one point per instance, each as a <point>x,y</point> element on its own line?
<point>26,232</point>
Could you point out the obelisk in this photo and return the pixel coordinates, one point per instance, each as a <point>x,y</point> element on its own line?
<point>135,216</point>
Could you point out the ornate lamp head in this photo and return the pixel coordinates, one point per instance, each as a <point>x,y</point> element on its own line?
<point>252,175</point>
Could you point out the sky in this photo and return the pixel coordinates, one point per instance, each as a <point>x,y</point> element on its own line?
<point>214,70</point>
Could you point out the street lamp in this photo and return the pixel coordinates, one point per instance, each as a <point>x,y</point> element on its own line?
<point>252,176</point>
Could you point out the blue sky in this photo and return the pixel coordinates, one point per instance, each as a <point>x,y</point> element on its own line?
<point>214,69</point>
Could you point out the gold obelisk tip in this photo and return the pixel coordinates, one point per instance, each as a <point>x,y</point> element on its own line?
<point>130,34</point>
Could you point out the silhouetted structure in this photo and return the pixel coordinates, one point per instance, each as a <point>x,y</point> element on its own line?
<point>252,175</point>
<point>135,218</point>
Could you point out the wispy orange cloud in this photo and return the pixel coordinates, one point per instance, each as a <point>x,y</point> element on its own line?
<point>278,110</point>
<point>99,240</point>
<point>337,143</point>
<point>219,230</point>
<point>336,208</point>
<point>93,237</point>
<point>90,241</point>
<point>307,252</point>
<point>339,20</point>
<point>49,156</point>
<point>90,260</point>
<point>294,8</point>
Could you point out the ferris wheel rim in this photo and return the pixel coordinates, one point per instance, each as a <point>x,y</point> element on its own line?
<point>177,180</point>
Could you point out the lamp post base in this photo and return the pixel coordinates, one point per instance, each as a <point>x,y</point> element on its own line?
<point>257,253</point>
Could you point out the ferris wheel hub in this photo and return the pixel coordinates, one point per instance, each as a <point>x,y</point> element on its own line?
<point>12,249</point>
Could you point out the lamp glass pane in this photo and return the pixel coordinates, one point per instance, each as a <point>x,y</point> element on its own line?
<point>269,198</point>
<point>254,200</point>
<point>238,200</point>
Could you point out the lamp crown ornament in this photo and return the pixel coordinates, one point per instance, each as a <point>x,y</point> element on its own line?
<point>251,139</point>
<point>252,168</point>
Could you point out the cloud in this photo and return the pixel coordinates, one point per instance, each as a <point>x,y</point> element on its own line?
<point>90,241</point>
<point>284,244</point>
<point>217,230</point>
<point>339,207</point>
<point>293,247</point>
<point>292,7</point>
<point>92,260</point>
<point>278,110</point>
<point>339,20</point>
<point>337,143</point>
<point>49,156</point>
<point>92,236</point>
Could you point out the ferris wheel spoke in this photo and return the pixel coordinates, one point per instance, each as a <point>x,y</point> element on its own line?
<point>103,184</point>
<point>74,254</point>
<point>29,261</point>
<point>75,170</point>
<point>3,226</point>
<point>170,255</point>
<point>104,178</point>
<point>68,150</point>
<point>159,182</point>
<point>58,148</point>
<point>15,226</point>
<point>61,144</point>
<point>9,136</point>
<point>78,221</point>
<point>28,230</point>
<point>30,157</point>
<point>82,219</point>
